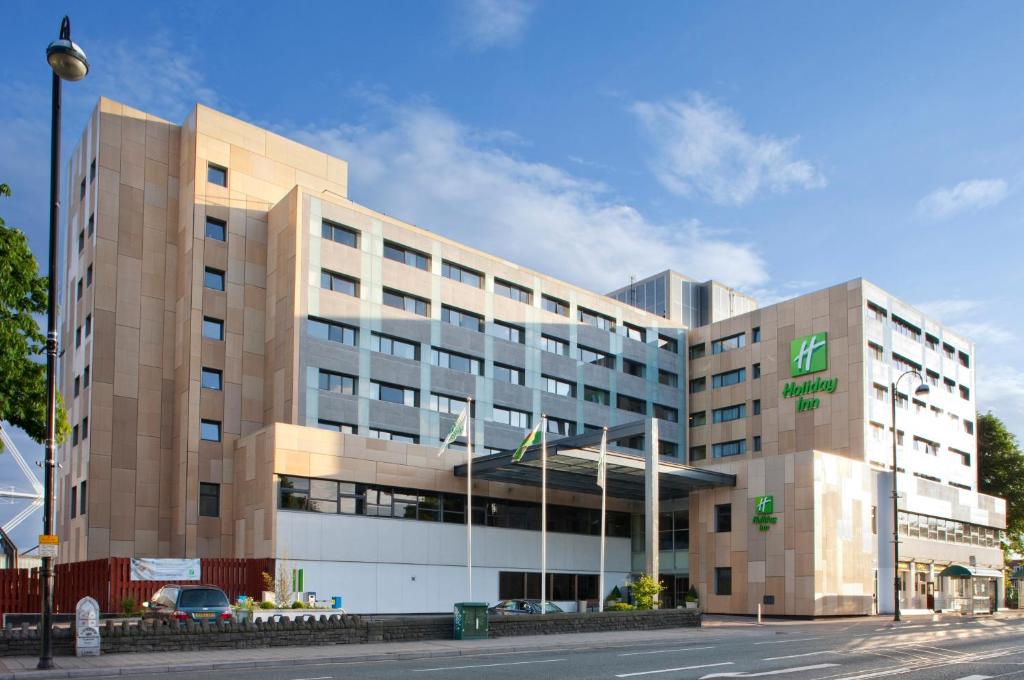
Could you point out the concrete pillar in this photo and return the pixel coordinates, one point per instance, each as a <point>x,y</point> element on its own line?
<point>651,509</point>
<point>911,590</point>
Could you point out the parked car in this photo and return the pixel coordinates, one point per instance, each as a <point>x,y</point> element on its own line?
<point>188,602</point>
<point>513,607</point>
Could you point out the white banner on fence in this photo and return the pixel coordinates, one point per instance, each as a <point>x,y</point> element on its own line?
<point>166,570</point>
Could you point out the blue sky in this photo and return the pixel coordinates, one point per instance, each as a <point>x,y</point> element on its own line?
<point>739,141</point>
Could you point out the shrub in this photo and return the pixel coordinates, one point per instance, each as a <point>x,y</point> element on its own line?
<point>267,604</point>
<point>615,595</point>
<point>268,581</point>
<point>298,605</point>
<point>619,607</point>
<point>691,595</point>
<point>130,607</point>
<point>645,589</point>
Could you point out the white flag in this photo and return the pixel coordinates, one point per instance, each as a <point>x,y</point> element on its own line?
<point>602,460</point>
<point>458,429</point>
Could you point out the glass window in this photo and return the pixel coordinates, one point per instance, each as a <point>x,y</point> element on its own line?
<point>698,418</point>
<point>336,382</point>
<point>559,426</point>
<point>213,279</point>
<point>509,332</point>
<point>455,272</point>
<point>666,413</point>
<point>511,416</point>
<point>339,234</point>
<point>668,378</point>
<point>632,367</point>
<point>413,258</point>
<point>388,435</point>
<point>209,499</point>
<point>209,430</point>
<point>635,332</point>
<point>92,170</point>
<point>213,329</point>
<point>442,403</point>
<point>293,492</point>
<point>725,449</point>
<point>322,329</point>
<point>212,379</point>
<point>216,174</point>
<point>729,413</point>
<point>877,312</point>
<point>965,359</point>
<point>723,580</point>
<point>81,240</point>
<point>554,305</point>
<point>88,276</point>
<point>757,442</point>
<point>596,319</point>
<point>85,377</point>
<point>216,230</point>
<point>82,498</point>
<point>729,343</point>
<point>698,385</point>
<point>335,426</point>
<point>596,395</point>
<point>91,228</point>
<point>554,345</point>
<point>557,386</point>
<point>396,394</point>
<point>697,351</point>
<point>723,518</point>
<point>698,452</point>
<point>632,404</point>
<point>757,407</point>
<point>513,291</point>
<point>596,357</point>
<point>509,374</point>
<point>410,303</point>
<point>729,378</point>
<point>339,283</point>
<point>81,193</point>
<point>78,385</point>
<point>668,344</point>
<point>756,334</point>
<point>88,325</point>
<point>456,362</point>
<point>462,318</point>
<point>385,344</point>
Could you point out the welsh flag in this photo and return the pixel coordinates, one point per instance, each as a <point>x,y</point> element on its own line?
<point>534,437</point>
<point>458,429</point>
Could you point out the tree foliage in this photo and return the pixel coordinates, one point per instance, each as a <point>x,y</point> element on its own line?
<point>1001,473</point>
<point>23,294</point>
<point>645,589</point>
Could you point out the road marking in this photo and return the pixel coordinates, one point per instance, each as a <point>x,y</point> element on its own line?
<point>322,677</point>
<point>665,651</point>
<point>782,642</point>
<point>484,665</point>
<point>975,677</point>
<point>796,656</point>
<point>672,670</point>
<point>781,671</point>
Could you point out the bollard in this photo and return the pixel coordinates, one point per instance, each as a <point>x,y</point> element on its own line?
<point>759,613</point>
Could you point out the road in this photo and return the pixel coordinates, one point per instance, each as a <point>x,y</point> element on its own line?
<point>848,650</point>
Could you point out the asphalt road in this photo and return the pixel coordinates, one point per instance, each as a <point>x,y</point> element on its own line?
<point>960,650</point>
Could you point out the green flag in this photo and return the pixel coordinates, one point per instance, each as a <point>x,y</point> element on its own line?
<point>534,437</point>
<point>458,429</point>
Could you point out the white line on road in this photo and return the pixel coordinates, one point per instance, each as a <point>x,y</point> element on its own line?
<point>796,656</point>
<point>665,651</point>
<point>780,642</point>
<point>672,670</point>
<point>322,677</point>
<point>781,671</point>
<point>484,665</point>
<point>975,677</point>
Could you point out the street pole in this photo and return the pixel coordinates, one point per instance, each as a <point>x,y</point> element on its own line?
<point>895,517</point>
<point>68,63</point>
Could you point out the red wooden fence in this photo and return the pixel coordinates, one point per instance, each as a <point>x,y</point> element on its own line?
<point>109,581</point>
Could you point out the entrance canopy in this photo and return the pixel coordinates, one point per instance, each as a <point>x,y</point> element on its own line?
<point>958,570</point>
<point>572,466</point>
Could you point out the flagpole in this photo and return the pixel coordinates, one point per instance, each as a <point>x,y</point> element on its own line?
<point>469,495</point>
<point>603,475</point>
<point>543,513</point>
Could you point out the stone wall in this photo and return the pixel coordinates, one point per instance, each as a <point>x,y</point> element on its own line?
<point>150,636</point>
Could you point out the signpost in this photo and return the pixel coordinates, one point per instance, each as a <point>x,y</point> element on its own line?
<point>87,627</point>
<point>48,544</point>
<point>764,512</point>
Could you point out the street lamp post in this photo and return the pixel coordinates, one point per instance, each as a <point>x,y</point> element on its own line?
<point>68,63</point>
<point>922,389</point>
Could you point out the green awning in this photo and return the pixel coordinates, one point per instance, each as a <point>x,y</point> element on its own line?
<point>960,571</point>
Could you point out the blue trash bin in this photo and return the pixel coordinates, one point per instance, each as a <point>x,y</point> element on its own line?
<point>336,602</point>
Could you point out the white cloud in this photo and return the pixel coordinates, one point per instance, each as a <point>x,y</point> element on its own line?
<point>972,194</point>
<point>483,24</point>
<point>962,316</point>
<point>426,167</point>
<point>703,149</point>
<point>1001,390</point>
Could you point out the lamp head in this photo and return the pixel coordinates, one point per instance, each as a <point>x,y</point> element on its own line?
<point>66,58</point>
<point>922,390</point>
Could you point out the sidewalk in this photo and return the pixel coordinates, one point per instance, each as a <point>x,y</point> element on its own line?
<point>19,667</point>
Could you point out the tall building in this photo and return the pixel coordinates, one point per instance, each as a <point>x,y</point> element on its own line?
<point>256,366</point>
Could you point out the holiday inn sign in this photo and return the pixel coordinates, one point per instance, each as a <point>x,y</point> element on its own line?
<point>807,355</point>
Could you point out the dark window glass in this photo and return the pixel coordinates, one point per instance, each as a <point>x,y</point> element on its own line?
<point>450,270</point>
<point>339,283</point>
<point>596,395</point>
<point>697,351</point>
<point>729,378</point>
<point>462,318</point>
<point>698,385</point>
<point>723,580</point>
<point>413,258</point>
<point>595,356</point>
<point>216,174</point>
<point>698,452</point>
<point>595,319</point>
<point>202,597</point>
<point>513,291</point>
<point>554,305</point>
<point>213,279</point>
<point>339,234</point>
<point>723,518</point>
<point>336,382</point>
<point>333,331</point>
<point>509,332</point>
<point>627,403</point>
<point>92,170</point>
<point>635,332</point>
<point>394,346</point>
<point>668,344</point>
<point>88,276</point>
<point>209,506</point>
<point>410,303</point>
<point>632,367</point>
<point>668,378</point>
<point>509,374</point>
<point>554,345</point>
<point>666,413</point>
<point>82,495</point>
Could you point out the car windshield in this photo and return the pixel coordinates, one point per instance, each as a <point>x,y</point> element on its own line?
<point>202,597</point>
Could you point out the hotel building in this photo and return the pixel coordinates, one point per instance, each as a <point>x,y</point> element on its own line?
<point>256,366</point>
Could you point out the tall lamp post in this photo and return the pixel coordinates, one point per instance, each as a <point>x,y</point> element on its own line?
<point>68,63</point>
<point>922,389</point>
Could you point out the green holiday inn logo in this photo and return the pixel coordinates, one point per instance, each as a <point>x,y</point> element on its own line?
<point>808,354</point>
<point>764,512</point>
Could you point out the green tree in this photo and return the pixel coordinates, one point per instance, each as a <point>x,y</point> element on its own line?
<point>645,589</point>
<point>1001,473</point>
<point>23,294</point>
